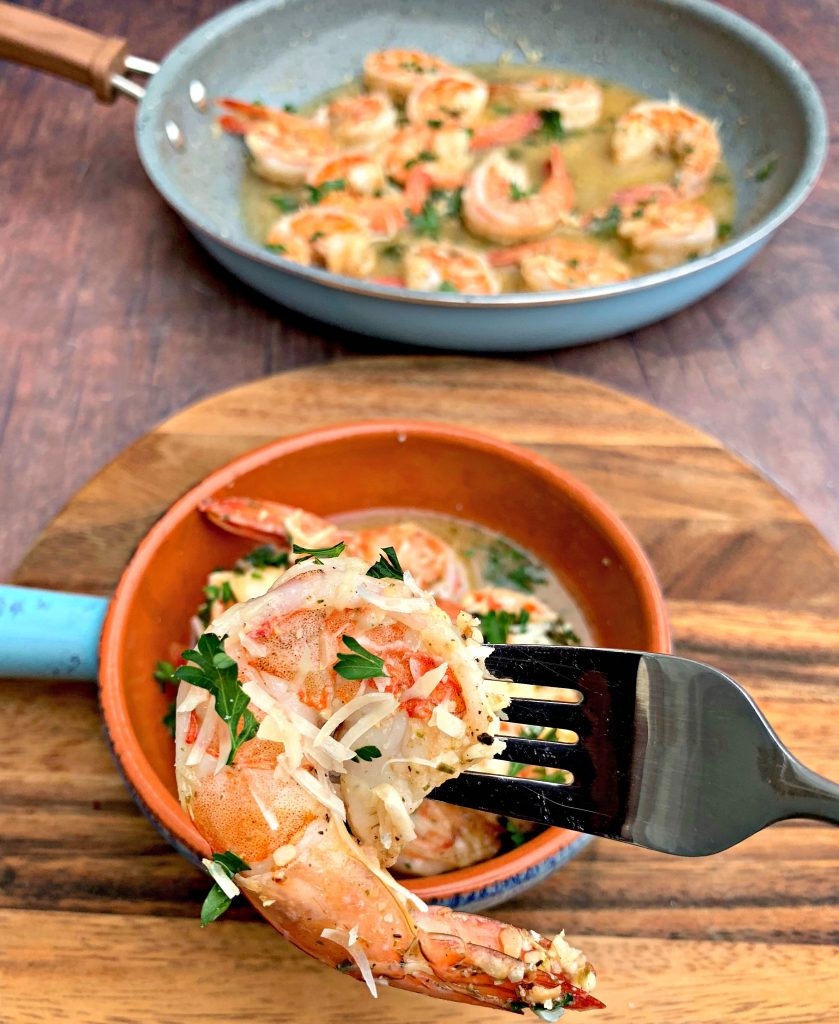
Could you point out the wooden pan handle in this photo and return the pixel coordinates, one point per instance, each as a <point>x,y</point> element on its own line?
<point>29,37</point>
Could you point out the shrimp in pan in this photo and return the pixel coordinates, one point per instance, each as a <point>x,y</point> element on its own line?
<point>329,237</point>
<point>440,266</point>
<point>670,128</point>
<point>449,98</point>
<point>443,154</point>
<point>317,825</point>
<point>432,562</point>
<point>397,72</point>
<point>501,204</point>
<point>556,264</point>
<point>358,172</point>
<point>579,101</point>
<point>283,146</point>
<point>362,121</point>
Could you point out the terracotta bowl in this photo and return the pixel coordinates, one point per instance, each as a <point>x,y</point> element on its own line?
<point>349,468</point>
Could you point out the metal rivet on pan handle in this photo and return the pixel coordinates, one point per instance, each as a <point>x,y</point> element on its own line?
<point>135,66</point>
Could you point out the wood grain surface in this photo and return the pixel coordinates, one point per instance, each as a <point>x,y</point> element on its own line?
<point>99,915</point>
<point>112,318</point>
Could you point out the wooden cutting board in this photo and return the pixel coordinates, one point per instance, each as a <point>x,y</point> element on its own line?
<point>99,917</point>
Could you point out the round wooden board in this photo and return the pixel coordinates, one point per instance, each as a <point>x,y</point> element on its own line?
<point>100,916</point>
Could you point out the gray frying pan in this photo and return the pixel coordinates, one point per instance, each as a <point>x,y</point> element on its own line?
<point>281,51</point>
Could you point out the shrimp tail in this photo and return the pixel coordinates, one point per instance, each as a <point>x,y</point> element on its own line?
<point>417,189</point>
<point>506,130</point>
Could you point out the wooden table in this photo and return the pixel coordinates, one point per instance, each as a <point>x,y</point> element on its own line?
<point>113,319</point>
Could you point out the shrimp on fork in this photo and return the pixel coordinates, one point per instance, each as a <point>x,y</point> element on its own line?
<point>315,824</point>
<point>283,146</point>
<point>657,127</point>
<point>433,563</point>
<point>499,203</point>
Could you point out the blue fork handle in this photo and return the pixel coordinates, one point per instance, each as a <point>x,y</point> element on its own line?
<point>45,634</point>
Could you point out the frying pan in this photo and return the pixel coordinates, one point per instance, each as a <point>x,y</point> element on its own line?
<point>770,114</point>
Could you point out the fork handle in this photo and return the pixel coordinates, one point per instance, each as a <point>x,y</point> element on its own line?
<point>808,795</point>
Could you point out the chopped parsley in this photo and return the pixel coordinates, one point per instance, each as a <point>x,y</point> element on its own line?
<point>447,286</point>
<point>517,194</point>
<point>276,248</point>
<point>318,553</point>
<point>289,108</point>
<point>500,108</point>
<point>506,566</point>
<point>495,626</point>
<point>412,65</point>
<point>387,567</point>
<point>724,229</point>
<point>426,223</point>
<point>607,225</point>
<point>452,200</point>
<point>552,124</point>
<point>562,634</point>
<point>164,672</point>
<point>434,123</point>
<point>425,156</point>
<point>319,192</point>
<point>361,664</point>
<point>214,670</point>
<point>224,593</point>
<point>514,154</point>
<point>516,834</point>
<point>285,203</point>
<point>265,556</point>
<point>767,169</point>
<point>217,901</point>
<point>392,251</point>
<point>367,754</point>
<point>168,719</point>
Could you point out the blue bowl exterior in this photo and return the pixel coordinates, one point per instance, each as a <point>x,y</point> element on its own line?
<point>482,329</point>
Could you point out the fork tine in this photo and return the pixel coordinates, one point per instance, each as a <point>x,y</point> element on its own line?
<point>570,757</point>
<point>546,802</point>
<point>566,667</point>
<point>547,713</point>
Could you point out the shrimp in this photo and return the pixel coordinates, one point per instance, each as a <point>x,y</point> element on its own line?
<point>557,264</point>
<point>579,101</point>
<point>361,173</point>
<point>659,127</point>
<point>315,824</point>
<point>665,234</point>
<point>396,72</point>
<point>387,214</point>
<point>440,266</point>
<point>283,146</point>
<point>448,838</point>
<point>447,99</point>
<point>443,154</point>
<point>362,121</point>
<point>331,237</point>
<point>432,562</point>
<point>498,203</point>
<point>504,131</point>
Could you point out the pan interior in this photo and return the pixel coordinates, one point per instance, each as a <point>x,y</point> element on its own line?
<point>289,52</point>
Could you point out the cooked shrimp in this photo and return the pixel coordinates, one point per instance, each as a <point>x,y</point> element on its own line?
<point>283,146</point>
<point>499,204</point>
<point>579,101</point>
<point>667,233</point>
<point>433,563</point>
<point>293,792</point>
<point>362,121</point>
<point>396,72</point>
<point>504,131</point>
<point>670,128</point>
<point>440,266</point>
<point>443,154</point>
<point>557,264</point>
<point>387,214</point>
<point>361,173</point>
<point>331,237</point>
<point>456,98</point>
<point>448,838</point>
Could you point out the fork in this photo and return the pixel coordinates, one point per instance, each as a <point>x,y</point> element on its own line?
<point>649,749</point>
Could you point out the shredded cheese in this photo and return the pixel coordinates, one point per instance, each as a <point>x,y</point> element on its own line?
<point>396,810</point>
<point>427,683</point>
<point>189,697</point>
<point>320,791</point>
<point>349,942</point>
<point>446,722</point>
<point>221,878</point>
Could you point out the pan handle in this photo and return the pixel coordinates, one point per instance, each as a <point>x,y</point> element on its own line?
<point>45,634</point>
<point>69,51</point>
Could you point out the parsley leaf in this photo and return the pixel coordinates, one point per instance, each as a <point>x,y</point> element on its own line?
<point>285,203</point>
<point>367,753</point>
<point>168,719</point>
<point>495,625</point>
<point>562,634</point>
<point>425,156</point>
<point>387,567</point>
<point>164,672</point>
<point>506,566</point>
<point>289,108</point>
<point>515,832</point>
<point>552,124</point>
<point>434,123</point>
<point>392,251</point>
<point>318,553</point>
<point>217,901</point>
<point>319,192</point>
<point>361,664</point>
<point>265,556</point>
<point>276,248</point>
<point>214,670</point>
<point>426,223</point>
<point>724,229</point>
<point>517,194</point>
<point>447,286</point>
<point>607,225</point>
<point>767,170</point>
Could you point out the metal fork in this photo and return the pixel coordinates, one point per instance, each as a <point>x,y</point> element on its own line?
<point>669,754</point>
